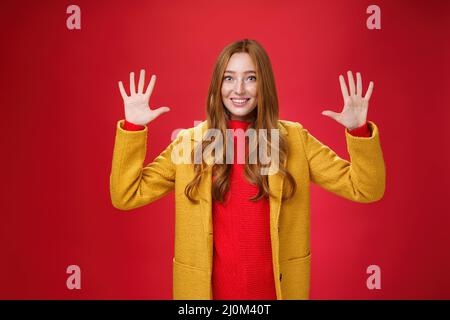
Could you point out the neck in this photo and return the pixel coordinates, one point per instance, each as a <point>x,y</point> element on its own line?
<point>246,118</point>
<point>251,117</point>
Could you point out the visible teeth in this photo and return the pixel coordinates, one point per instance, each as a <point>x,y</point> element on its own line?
<point>239,100</point>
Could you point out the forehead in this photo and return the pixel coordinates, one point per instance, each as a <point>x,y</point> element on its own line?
<point>240,62</point>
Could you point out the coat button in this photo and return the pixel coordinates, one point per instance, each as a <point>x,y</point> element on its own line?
<point>281,276</point>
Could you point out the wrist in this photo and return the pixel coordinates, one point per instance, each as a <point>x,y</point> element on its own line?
<point>132,126</point>
<point>361,131</point>
<point>355,127</point>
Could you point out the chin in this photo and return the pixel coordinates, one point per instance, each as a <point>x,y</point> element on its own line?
<point>241,113</point>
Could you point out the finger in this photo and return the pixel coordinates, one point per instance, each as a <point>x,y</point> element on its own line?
<point>331,114</point>
<point>150,86</point>
<point>369,91</point>
<point>358,84</point>
<point>161,110</point>
<point>343,87</point>
<point>141,81</point>
<point>351,83</point>
<point>132,85</point>
<point>122,90</point>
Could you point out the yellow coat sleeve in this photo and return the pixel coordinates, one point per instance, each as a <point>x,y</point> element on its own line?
<point>363,179</point>
<point>131,184</point>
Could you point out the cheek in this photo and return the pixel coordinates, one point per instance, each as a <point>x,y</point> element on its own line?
<point>254,94</point>
<point>225,92</point>
<point>253,90</point>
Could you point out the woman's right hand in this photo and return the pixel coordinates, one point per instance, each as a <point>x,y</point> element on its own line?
<point>137,109</point>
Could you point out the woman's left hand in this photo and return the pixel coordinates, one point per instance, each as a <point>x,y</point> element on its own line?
<point>354,113</point>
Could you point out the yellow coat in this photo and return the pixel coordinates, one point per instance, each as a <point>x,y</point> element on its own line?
<point>133,185</point>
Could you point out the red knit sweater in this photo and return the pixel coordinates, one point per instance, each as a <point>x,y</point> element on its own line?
<point>242,257</point>
<point>242,266</point>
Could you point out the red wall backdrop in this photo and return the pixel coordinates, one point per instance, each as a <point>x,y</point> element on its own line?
<point>60,103</point>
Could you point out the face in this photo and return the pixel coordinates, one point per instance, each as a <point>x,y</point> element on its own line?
<point>239,87</point>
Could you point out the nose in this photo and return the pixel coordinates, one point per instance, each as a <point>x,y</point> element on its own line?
<point>239,87</point>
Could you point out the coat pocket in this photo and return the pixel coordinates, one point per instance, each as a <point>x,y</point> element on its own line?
<point>295,277</point>
<point>190,283</point>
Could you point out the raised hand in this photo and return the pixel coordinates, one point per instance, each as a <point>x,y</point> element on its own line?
<point>137,109</point>
<point>354,112</point>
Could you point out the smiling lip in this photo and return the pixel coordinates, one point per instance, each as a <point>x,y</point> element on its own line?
<point>239,102</point>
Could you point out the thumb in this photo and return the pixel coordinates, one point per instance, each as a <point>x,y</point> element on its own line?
<point>331,114</point>
<point>161,110</point>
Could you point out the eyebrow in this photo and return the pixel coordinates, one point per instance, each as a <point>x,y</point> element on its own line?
<point>248,71</point>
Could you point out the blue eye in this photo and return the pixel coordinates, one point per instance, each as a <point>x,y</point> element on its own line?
<point>229,77</point>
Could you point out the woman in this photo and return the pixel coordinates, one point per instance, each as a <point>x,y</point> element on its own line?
<point>241,234</point>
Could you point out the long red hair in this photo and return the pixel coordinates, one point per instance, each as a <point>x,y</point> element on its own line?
<point>266,118</point>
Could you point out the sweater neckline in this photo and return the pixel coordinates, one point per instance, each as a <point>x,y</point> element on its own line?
<point>237,124</point>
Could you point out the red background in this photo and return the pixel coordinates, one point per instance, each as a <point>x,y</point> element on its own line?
<point>60,105</point>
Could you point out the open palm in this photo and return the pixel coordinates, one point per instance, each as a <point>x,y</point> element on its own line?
<point>136,105</point>
<point>354,112</point>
